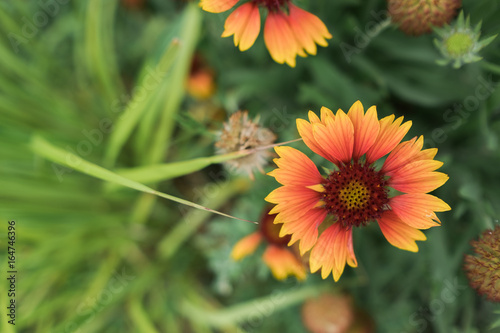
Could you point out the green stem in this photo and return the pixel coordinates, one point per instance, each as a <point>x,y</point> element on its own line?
<point>492,68</point>
<point>264,306</point>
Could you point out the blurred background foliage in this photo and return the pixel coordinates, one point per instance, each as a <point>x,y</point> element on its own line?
<point>105,80</point>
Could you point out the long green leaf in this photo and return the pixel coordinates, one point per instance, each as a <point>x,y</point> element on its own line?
<point>140,100</point>
<point>43,148</point>
<point>174,94</point>
<point>161,172</point>
<point>98,41</point>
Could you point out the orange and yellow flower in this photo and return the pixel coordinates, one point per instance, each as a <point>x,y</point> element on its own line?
<point>280,259</point>
<point>357,191</point>
<point>288,31</point>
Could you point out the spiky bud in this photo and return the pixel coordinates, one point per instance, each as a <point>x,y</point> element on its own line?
<point>417,17</point>
<point>459,43</point>
<point>241,133</point>
<point>483,268</point>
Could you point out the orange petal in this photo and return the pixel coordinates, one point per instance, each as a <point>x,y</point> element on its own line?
<point>283,263</point>
<point>366,128</point>
<point>304,229</point>
<point>246,246</point>
<point>390,134</point>
<point>336,137</point>
<point>398,233</point>
<point>407,152</point>
<point>308,29</point>
<point>326,113</point>
<point>295,168</point>
<point>402,154</point>
<point>244,24</point>
<point>418,177</point>
<point>332,251</point>
<point>279,39</point>
<point>292,201</point>
<point>306,132</point>
<point>313,118</point>
<point>417,209</point>
<point>217,6</point>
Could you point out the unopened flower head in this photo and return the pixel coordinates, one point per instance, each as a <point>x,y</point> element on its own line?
<point>281,260</point>
<point>201,80</point>
<point>483,267</point>
<point>328,313</point>
<point>417,17</point>
<point>241,133</point>
<point>288,31</point>
<point>459,43</point>
<point>357,191</point>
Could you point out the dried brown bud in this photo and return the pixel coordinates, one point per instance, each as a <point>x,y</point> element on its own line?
<point>241,133</point>
<point>417,17</point>
<point>483,268</point>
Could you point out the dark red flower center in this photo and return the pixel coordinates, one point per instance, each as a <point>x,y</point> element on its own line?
<point>272,5</point>
<point>356,194</point>
<point>271,230</point>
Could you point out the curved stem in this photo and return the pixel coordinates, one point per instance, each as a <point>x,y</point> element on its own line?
<point>264,306</point>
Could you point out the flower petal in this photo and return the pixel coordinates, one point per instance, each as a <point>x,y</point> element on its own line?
<point>279,39</point>
<point>244,24</point>
<point>366,128</point>
<point>308,29</point>
<point>246,246</point>
<point>306,132</point>
<point>417,209</point>
<point>418,177</point>
<point>336,137</point>
<point>295,168</point>
<point>407,152</point>
<point>304,229</point>
<point>332,251</point>
<point>292,201</point>
<point>217,6</point>
<point>283,263</point>
<point>326,113</point>
<point>398,233</point>
<point>390,134</point>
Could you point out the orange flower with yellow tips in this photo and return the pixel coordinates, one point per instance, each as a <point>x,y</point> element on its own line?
<point>280,259</point>
<point>358,190</point>
<point>288,31</point>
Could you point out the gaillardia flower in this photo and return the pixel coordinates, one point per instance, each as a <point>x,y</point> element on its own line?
<point>417,17</point>
<point>358,190</point>
<point>288,31</point>
<point>280,259</point>
<point>483,268</point>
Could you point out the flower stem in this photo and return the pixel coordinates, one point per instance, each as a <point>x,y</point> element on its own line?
<point>264,306</point>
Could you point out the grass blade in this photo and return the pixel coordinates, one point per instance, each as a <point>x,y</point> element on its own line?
<point>43,148</point>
